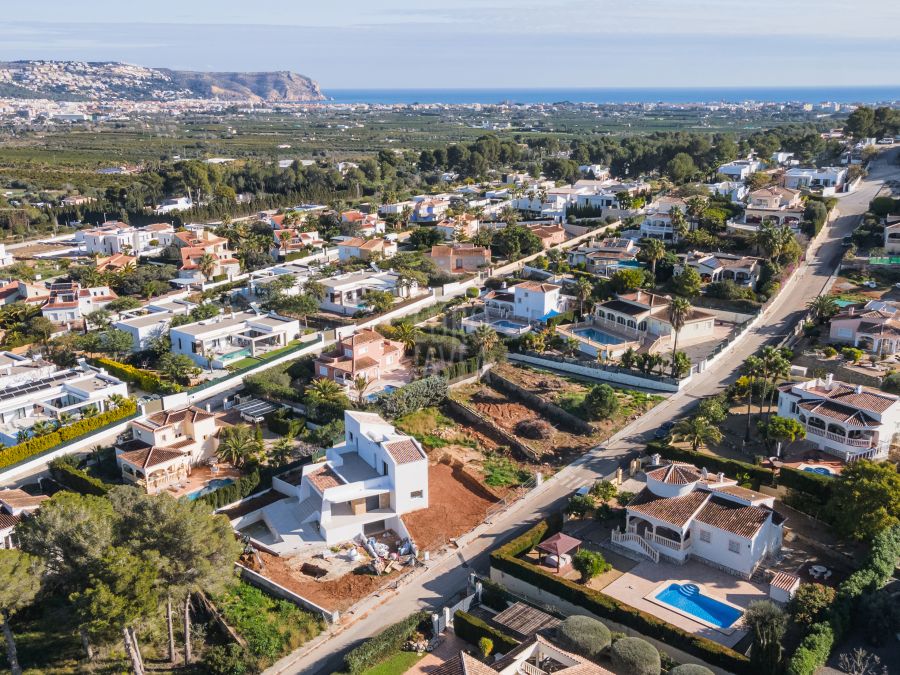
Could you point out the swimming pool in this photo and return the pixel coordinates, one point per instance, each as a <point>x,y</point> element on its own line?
<point>821,470</point>
<point>211,486</point>
<point>508,325</point>
<point>688,599</point>
<point>598,336</point>
<point>388,388</point>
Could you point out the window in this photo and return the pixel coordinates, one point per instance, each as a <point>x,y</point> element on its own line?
<point>705,536</point>
<point>323,370</point>
<point>734,546</point>
<point>418,494</point>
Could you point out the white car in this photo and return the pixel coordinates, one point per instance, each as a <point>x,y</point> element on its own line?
<point>870,284</point>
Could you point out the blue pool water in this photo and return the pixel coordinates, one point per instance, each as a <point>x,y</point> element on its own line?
<point>212,485</point>
<point>821,470</point>
<point>509,325</point>
<point>388,388</point>
<point>845,303</point>
<point>689,599</point>
<point>598,336</point>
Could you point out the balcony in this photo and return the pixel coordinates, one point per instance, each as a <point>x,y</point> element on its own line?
<point>843,440</point>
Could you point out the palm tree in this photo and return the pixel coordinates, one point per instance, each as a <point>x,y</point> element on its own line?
<point>314,289</point>
<point>696,430</point>
<point>324,390</point>
<point>679,311</point>
<point>679,222</point>
<point>237,445</point>
<point>117,400</point>
<point>652,251</point>
<point>752,368</point>
<point>285,237</point>
<point>65,419</point>
<point>88,412</point>
<point>767,355</point>
<point>822,307</point>
<point>484,340</point>
<point>779,369</point>
<point>360,386</point>
<point>583,290</point>
<point>282,451</point>
<point>406,333</point>
<point>42,428</point>
<point>206,263</point>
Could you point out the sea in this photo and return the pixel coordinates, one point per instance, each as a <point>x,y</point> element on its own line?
<point>871,95</point>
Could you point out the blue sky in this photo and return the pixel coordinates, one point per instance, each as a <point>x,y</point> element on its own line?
<point>478,43</point>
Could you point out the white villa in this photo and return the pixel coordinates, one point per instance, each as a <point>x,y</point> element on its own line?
<point>657,223</point>
<point>739,170</point>
<point>511,311</point>
<point>828,179</point>
<point>892,238</point>
<point>151,321</point>
<point>224,338</point>
<point>535,656</point>
<point>848,421</point>
<point>873,327</point>
<point>115,237</point>
<point>70,302</point>
<point>165,446</point>
<point>48,398</point>
<point>15,504</point>
<point>685,513</point>
<point>741,269</point>
<point>363,487</point>
<point>345,293</point>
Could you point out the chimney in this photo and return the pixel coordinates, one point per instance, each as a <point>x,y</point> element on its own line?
<point>638,296</point>
<point>655,460</point>
<point>720,476</point>
<point>704,474</point>
<point>829,379</point>
<point>859,389</point>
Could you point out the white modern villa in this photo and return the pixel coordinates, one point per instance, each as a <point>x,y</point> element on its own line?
<point>512,311</point>
<point>688,513</point>
<point>849,421</point>
<point>363,487</point>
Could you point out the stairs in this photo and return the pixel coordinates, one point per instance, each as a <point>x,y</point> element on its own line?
<point>626,538</point>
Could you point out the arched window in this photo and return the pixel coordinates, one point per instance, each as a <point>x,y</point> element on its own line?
<point>642,325</point>
<point>631,323</point>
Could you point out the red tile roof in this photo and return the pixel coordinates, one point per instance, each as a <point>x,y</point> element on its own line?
<point>673,510</point>
<point>404,451</point>
<point>744,521</point>
<point>866,399</point>
<point>675,474</point>
<point>324,478</point>
<point>785,581</point>
<point>7,521</point>
<point>150,457</point>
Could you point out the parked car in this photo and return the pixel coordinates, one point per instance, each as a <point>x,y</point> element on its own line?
<point>664,429</point>
<point>870,284</point>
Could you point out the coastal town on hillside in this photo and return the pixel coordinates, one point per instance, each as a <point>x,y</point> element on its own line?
<point>463,390</point>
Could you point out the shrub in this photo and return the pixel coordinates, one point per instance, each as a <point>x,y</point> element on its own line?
<point>472,292</point>
<point>75,479</point>
<point>829,352</point>
<point>461,369</point>
<point>813,484</point>
<point>810,603</point>
<point>472,630</point>
<point>579,505</point>
<point>690,669</point>
<point>229,659</point>
<point>583,635</point>
<point>534,428</point>
<point>633,656</point>
<point>38,444</point>
<point>813,651</point>
<point>601,402</point>
<point>424,393</point>
<point>390,640</point>
<point>589,564</point>
<point>228,494</point>
<point>485,646</point>
<point>142,379</point>
<point>852,354</point>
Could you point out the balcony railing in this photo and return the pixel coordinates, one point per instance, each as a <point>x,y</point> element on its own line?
<point>526,668</point>
<point>626,538</point>
<point>852,442</point>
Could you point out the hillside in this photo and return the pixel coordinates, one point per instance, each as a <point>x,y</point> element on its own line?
<point>78,81</point>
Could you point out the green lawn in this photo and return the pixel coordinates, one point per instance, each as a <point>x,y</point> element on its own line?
<point>398,664</point>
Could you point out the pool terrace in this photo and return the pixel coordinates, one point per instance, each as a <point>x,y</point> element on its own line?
<point>503,325</point>
<point>594,339</point>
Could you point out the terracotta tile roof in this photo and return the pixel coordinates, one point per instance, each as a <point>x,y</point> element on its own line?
<point>404,451</point>
<point>363,337</point>
<point>463,664</point>
<point>167,417</point>
<point>7,521</point>
<point>674,510</point>
<point>675,474</point>
<point>324,478</point>
<point>373,244</point>
<point>838,412</point>
<point>150,457</point>
<point>19,499</point>
<point>744,521</point>
<point>785,581</point>
<point>743,493</point>
<point>866,399</point>
<point>365,362</point>
<point>536,286</point>
<point>353,243</point>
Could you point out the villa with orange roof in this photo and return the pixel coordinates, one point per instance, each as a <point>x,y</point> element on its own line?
<point>194,245</point>
<point>366,224</point>
<point>550,235</point>
<point>289,241</point>
<point>364,487</point>
<point>15,505</point>
<point>70,302</point>
<point>365,353</point>
<point>460,258</point>
<point>366,249</point>
<point>165,446</point>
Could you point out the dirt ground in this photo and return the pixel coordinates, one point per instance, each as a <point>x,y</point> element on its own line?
<point>334,594</point>
<point>454,510</point>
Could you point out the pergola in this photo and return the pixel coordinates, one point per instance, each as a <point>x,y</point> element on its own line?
<point>559,544</point>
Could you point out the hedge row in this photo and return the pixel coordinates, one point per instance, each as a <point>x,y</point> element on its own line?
<point>505,559</point>
<point>75,479</point>
<point>38,444</point>
<point>228,494</point>
<point>472,629</point>
<point>461,368</point>
<point>813,651</point>
<point>729,467</point>
<point>142,379</point>
<point>388,641</point>
<point>805,481</point>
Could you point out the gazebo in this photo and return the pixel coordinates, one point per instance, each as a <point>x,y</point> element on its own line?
<point>559,544</point>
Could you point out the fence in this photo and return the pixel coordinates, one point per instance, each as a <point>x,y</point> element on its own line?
<point>490,429</point>
<point>598,371</point>
<point>546,408</point>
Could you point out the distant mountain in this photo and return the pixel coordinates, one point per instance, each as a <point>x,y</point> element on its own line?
<point>78,81</point>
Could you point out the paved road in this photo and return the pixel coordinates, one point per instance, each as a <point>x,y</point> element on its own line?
<point>447,576</point>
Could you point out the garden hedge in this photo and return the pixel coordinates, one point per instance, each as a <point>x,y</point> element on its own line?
<point>813,651</point>
<point>142,379</point>
<point>228,494</point>
<point>75,479</point>
<point>472,629</point>
<point>388,641</point>
<point>601,605</point>
<point>729,467</point>
<point>805,481</point>
<point>38,444</point>
<point>461,368</point>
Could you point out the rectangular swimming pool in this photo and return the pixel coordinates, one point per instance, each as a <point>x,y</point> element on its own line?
<point>211,486</point>
<point>688,599</point>
<point>598,336</point>
<point>509,325</point>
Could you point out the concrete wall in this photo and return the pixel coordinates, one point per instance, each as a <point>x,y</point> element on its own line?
<point>597,373</point>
